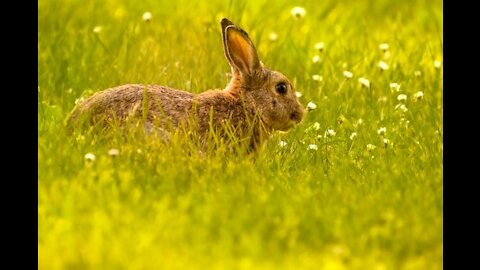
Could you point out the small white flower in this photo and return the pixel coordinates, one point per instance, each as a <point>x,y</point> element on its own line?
<point>282,143</point>
<point>273,36</point>
<point>418,73</point>
<point>113,152</point>
<point>89,157</point>
<point>316,59</point>
<point>386,141</point>
<point>330,132</point>
<point>382,130</point>
<point>364,82</point>
<point>437,64</point>
<point>316,126</point>
<point>348,74</point>
<point>319,46</point>
<point>395,86</point>
<point>418,95</point>
<point>298,12</point>
<point>353,135</point>
<point>371,147</point>
<point>97,29</point>
<point>317,78</point>
<point>382,65</point>
<point>147,16</point>
<point>298,94</point>
<point>311,106</point>
<point>401,107</point>
<point>312,147</point>
<point>402,97</point>
<point>384,47</point>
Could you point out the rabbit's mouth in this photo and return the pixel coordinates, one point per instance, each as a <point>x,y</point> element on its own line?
<point>286,126</point>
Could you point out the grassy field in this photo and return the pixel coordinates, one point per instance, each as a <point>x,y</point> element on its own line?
<point>357,185</point>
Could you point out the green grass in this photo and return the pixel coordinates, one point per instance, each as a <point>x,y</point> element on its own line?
<point>158,206</point>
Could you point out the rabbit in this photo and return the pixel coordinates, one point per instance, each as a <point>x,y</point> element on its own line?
<point>256,102</point>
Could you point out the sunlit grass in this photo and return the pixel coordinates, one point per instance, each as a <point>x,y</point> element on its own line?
<point>357,185</point>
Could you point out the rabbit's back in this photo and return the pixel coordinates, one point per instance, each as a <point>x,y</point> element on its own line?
<point>153,102</point>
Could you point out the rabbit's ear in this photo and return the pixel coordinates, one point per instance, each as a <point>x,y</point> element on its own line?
<point>239,49</point>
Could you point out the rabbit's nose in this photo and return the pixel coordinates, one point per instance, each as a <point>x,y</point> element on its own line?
<point>296,116</point>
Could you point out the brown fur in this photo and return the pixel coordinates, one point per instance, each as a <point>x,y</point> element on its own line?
<point>249,104</point>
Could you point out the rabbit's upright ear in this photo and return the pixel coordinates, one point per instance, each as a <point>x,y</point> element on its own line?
<point>239,49</point>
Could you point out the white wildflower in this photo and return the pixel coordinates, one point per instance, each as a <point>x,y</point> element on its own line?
<point>371,147</point>
<point>319,46</point>
<point>418,95</point>
<point>298,12</point>
<point>147,16</point>
<point>282,143</point>
<point>401,107</point>
<point>364,82</point>
<point>317,78</point>
<point>382,65</point>
<point>113,152</point>
<point>89,157</point>
<point>312,147</point>
<point>384,47</point>
<point>330,132</point>
<point>395,86</point>
<point>386,142</point>
<point>298,94</point>
<point>402,97</point>
<point>437,64</point>
<point>353,135</point>
<point>311,106</point>
<point>382,131</point>
<point>348,74</point>
<point>316,59</point>
<point>316,126</point>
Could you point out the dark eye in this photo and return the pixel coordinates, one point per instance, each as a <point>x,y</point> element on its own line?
<point>281,88</point>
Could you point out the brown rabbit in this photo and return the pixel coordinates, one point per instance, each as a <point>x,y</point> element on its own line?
<point>254,103</point>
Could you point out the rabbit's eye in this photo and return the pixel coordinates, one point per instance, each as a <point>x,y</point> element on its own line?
<point>281,88</point>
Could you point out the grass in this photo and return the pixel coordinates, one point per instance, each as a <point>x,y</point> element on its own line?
<point>154,206</point>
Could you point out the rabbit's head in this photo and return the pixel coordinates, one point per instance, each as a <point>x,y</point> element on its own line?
<point>268,92</point>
